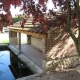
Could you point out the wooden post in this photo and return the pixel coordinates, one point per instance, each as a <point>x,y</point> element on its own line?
<point>10,36</point>
<point>28,39</point>
<point>19,42</point>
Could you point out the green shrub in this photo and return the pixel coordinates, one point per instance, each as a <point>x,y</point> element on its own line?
<point>16,19</point>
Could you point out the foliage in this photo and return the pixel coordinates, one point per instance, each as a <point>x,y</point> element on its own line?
<point>69,18</point>
<point>17,18</point>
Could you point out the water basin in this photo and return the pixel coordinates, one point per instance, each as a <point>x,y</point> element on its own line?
<point>11,67</point>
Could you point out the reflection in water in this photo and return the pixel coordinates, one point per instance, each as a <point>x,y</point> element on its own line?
<point>5,72</point>
<point>11,67</point>
<point>18,68</point>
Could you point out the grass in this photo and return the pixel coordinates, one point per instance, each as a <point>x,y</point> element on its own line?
<point>5,41</point>
<point>23,42</point>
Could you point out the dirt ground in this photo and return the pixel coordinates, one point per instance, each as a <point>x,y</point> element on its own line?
<point>72,74</point>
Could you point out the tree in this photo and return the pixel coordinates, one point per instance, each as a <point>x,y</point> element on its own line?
<point>69,18</point>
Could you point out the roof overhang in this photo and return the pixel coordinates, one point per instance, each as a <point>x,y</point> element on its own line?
<point>25,31</point>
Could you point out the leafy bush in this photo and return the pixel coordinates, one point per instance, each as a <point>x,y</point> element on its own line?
<point>17,18</point>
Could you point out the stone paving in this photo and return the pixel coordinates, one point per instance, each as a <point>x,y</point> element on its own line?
<point>33,54</point>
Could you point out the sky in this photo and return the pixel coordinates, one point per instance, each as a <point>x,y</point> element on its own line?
<point>17,10</point>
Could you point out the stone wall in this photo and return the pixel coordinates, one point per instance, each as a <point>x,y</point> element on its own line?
<point>13,38</point>
<point>58,44</point>
<point>54,37</point>
<point>59,50</point>
<point>63,63</point>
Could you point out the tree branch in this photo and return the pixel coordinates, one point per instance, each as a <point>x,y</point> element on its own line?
<point>68,25</point>
<point>78,17</point>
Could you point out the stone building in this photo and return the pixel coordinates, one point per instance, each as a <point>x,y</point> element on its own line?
<point>56,46</point>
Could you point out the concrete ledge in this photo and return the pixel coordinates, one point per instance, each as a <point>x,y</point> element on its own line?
<point>30,64</point>
<point>36,69</point>
<point>16,51</point>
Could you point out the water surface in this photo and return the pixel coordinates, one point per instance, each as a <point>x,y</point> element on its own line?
<point>5,72</point>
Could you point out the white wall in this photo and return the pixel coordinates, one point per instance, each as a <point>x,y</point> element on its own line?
<point>37,43</point>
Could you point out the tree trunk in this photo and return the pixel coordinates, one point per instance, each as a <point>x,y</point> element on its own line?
<point>77,44</point>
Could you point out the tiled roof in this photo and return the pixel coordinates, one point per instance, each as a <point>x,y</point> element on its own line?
<point>28,26</point>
